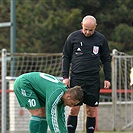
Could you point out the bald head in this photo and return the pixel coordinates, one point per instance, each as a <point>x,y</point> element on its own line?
<point>88,25</point>
<point>89,19</point>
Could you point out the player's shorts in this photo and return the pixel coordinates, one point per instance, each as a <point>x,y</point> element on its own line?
<point>26,95</point>
<point>91,87</point>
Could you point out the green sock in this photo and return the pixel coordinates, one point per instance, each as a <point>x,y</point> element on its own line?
<point>34,124</point>
<point>43,125</point>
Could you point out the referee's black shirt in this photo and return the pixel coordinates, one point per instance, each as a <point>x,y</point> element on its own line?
<point>86,54</point>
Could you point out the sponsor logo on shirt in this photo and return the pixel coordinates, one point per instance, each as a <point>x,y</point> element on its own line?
<point>78,49</point>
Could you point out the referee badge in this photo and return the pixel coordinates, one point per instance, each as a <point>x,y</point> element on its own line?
<point>95,49</point>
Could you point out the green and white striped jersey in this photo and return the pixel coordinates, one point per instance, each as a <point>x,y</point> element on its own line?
<point>50,90</point>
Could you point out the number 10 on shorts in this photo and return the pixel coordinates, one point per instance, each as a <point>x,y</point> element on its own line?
<point>32,102</point>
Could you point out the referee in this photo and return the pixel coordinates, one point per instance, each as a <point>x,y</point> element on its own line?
<point>85,51</point>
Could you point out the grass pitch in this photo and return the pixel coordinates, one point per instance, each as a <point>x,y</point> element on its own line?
<point>109,132</point>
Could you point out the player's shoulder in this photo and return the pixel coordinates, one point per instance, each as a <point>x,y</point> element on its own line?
<point>98,34</point>
<point>75,33</point>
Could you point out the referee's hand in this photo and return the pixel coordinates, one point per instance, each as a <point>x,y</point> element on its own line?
<point>66,82</point>
<point>106,84</point>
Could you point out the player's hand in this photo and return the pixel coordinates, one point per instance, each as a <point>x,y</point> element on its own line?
<point>106,84</point>
<point>131,83</point>
<point>66,82</point>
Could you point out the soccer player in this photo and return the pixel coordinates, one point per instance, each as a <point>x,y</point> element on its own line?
<point>85,51</point>
<point>131,77</point>
<point>45,98</point>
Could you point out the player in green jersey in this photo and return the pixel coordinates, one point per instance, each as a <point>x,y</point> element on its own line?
<point>45,97</point>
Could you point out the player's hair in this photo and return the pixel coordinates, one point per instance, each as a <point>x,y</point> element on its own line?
<point>76,93</point>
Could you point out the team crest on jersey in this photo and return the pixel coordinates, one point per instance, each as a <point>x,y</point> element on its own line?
<point>95,49</point>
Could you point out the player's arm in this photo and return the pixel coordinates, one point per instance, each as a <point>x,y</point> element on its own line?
<point>66,58</point>
<point>51,107</point>
<point>61,118</point>
<point>106,61</point>
<point>131,77</point>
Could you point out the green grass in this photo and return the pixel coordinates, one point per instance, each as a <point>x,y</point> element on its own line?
<point>109,132</point>
<point>85,132</point>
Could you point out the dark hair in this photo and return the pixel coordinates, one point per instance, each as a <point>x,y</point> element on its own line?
<point>76,93</point>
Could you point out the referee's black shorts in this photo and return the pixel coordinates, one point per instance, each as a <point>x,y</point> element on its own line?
<point>91,87</point>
